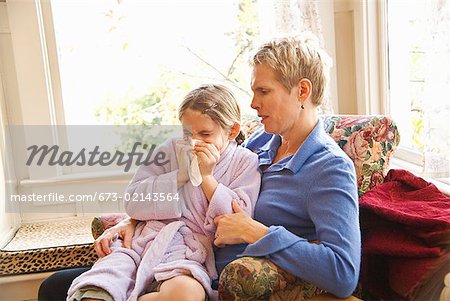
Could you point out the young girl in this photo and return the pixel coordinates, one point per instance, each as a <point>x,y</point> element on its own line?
<point>172,256</point>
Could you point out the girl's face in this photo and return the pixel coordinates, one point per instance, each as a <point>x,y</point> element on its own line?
<point>201,127</point>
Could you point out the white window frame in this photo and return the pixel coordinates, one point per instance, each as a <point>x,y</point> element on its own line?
<point>373,88</point>
<point>39,93</point>
<point>372,62</point>
<point>40,90</point>
<point>38,101</point>
<point>9,221</point>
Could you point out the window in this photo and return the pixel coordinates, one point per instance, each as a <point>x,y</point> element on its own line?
<point>419,84</point>
<point>407,38</point>
<point>131,62</point>
<point>128,62</point>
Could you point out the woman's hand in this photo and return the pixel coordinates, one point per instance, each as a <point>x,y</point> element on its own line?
<point>208,155</point>
<point>237,228</point>
<point>124,230</point>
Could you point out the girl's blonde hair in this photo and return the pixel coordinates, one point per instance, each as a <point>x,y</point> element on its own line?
<point>217,102</point>
<point>294,58</point>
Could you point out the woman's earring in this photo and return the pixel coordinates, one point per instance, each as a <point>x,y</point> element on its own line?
<point>302,106</point>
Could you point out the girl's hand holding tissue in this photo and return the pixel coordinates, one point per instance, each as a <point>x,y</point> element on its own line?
<point>208,156</point>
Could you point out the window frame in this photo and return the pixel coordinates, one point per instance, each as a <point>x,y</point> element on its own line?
<point>9,221</point>
<point>35,18</point>
<point>375,47</point>
<point>370,55</point>
<point>38,101</point>
<point>373,51</point>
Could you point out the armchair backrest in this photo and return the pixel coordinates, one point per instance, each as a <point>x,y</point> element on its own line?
<point>369,140</point>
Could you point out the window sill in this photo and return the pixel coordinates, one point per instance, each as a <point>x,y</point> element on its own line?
<point>89,177</point>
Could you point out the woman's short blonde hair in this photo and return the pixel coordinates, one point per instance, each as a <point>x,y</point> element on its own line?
<point>295,58</point>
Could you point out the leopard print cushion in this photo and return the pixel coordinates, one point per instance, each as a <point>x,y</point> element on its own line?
<point>50,246</point>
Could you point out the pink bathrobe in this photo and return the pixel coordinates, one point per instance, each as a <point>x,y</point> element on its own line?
<point>175,237</point>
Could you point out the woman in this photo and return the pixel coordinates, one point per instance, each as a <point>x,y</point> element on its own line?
<point>308,189</point>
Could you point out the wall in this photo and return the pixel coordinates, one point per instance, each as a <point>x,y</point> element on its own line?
<point>344,15</point>
<point>360,56</point>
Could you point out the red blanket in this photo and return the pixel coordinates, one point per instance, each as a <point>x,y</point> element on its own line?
<point>405,226</point>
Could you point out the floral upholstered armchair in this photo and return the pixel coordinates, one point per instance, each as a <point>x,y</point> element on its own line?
<point>368,140</point>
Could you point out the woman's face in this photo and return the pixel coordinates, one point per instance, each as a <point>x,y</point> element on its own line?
<point>201,127</point>
<point>277,107</point>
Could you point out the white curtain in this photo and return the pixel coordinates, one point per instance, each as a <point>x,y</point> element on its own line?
<point>291,17</point>
<point>436,105</point>
<point>294,16</point>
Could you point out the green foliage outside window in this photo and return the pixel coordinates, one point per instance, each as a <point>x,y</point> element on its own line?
<point>156,107</point>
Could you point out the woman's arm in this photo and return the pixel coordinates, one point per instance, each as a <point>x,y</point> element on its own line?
<point>238,228</point>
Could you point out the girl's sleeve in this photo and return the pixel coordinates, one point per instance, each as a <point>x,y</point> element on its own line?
<point>334,263</point>
<point>244,188</point>
<point>153,191</point>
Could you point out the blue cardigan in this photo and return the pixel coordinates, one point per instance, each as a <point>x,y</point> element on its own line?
<point>311,195</point>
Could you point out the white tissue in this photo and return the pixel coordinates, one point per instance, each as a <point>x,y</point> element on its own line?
<point>188,169</point>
